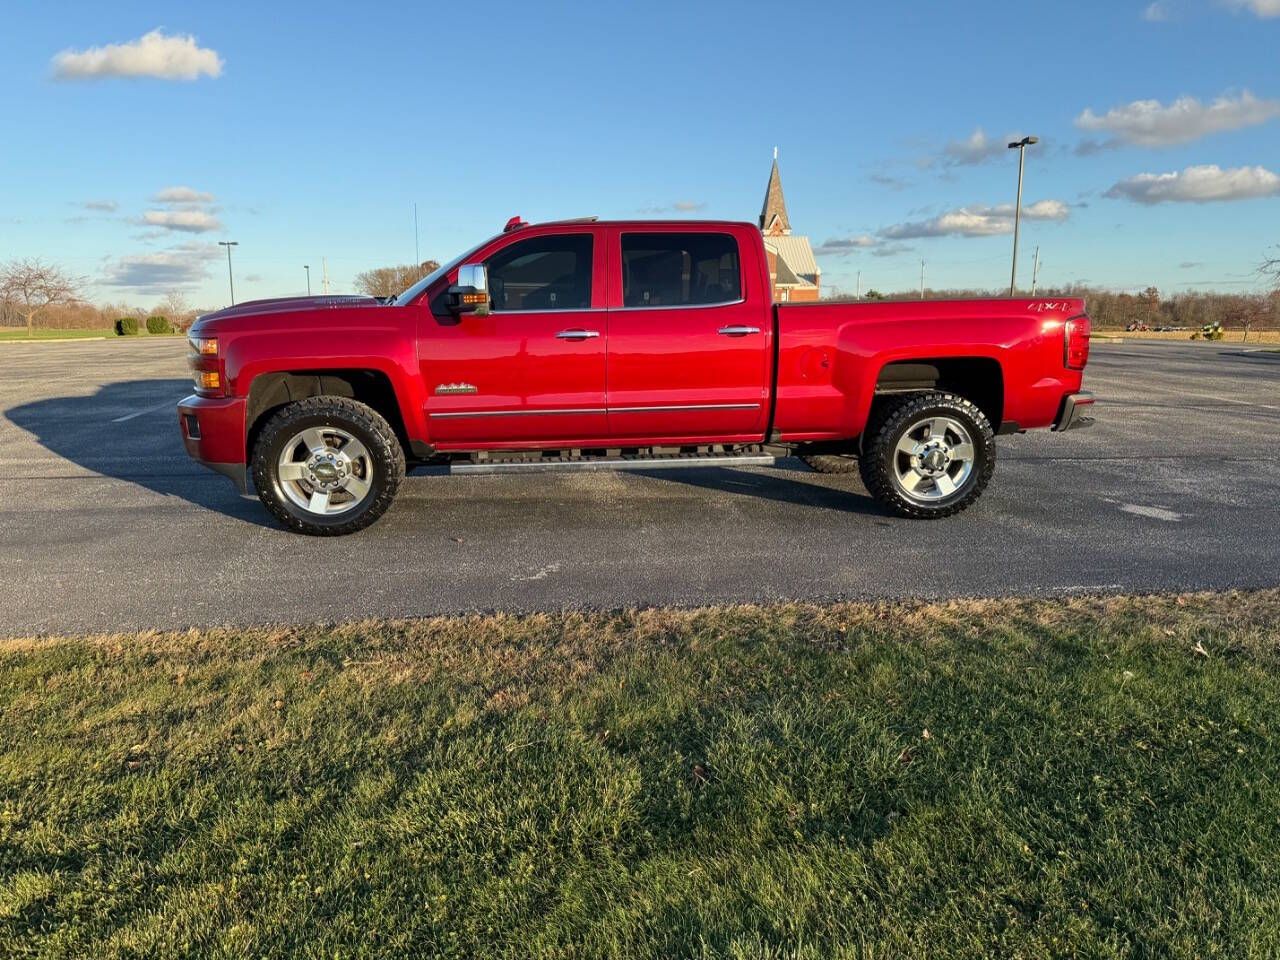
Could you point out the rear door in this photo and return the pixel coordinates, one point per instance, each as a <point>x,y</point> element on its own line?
<point>533,369</point>
<point>687,352</point>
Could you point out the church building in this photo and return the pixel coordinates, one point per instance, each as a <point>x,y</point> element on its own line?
<point>793,271</point>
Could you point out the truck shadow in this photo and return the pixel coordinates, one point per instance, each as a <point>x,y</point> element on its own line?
<point>129,431</point>
<point>790,481</point>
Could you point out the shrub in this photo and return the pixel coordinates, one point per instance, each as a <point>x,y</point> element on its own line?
<point>158,325</point>
<point>126,327</point>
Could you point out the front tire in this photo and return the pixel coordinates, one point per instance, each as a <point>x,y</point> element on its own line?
<point>928,456</point>
<point>327,466</point>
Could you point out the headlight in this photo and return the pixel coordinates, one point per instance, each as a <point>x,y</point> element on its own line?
<point>206,365</point>
<point>204,346</point>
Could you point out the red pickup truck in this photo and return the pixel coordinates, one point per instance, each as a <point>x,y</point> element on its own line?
<point>585,344</point>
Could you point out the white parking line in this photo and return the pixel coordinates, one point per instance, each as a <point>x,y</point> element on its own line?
<point>1243,403</point>
<point>1155,513</point>
<point>138,413</point>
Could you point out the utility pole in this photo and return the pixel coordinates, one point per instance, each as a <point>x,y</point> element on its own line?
<point>417,259</point>
<point>307,268</point>
<point>230,279</point>
<point>921,279</point>
<point>857,290</point>
<point>324,266</point>
<point>1021,147</point>
<point>1035,271</point>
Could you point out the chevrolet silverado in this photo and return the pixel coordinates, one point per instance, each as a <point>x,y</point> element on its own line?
<point>584,344</point>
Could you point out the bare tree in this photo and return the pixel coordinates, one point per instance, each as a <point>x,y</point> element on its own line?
<point>31,285</point>
<point>176,309</point>
<point>387,281</point>
<point>1270,267</point>
<point>1151,297</point>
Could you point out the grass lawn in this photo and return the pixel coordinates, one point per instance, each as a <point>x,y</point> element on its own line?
<point>1089,777</point>
<point>21,333</point>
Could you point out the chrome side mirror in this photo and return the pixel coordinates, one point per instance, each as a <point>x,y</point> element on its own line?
<point>471,293</point>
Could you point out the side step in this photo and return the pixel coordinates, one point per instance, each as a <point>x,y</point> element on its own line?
<point>616,463</point>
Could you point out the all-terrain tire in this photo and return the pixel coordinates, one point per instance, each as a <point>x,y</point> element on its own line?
<point>892,421</point>
<point>355,418</point>
<point>832,462</point>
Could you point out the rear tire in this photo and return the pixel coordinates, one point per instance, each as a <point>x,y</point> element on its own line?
<point>327,466</point>
<point>928,456</point>
<point>832,462</point>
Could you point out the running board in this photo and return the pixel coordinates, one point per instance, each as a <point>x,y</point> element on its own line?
<point>616,463</point>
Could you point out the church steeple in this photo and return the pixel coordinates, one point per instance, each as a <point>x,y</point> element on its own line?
<point>773,216</point>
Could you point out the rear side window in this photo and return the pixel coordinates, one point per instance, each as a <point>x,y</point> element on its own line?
<point>679,269</point>
<point>542,273</point>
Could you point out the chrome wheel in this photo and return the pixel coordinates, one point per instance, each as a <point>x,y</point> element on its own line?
<point>325,470</point>
<point>933,459</point>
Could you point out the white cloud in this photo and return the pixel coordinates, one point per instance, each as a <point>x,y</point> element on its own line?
<point>1157,12</point>
<point>1207,183</point>
<point>888,180</point>
<point>891,250</point>
<point>842,246</point>
<point>975,148</point>
<point>1148,123</point>
<point>182,195</point>
<point>152,55</point>
<point>187,221</point>
<point>976,221</point>
<point>100,206</point>
<point>681,206</point>
<point>1260,8</point>
<point>186,210</point>
<point>157,273</point>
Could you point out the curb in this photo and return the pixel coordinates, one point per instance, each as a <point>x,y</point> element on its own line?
<point>58,340</point>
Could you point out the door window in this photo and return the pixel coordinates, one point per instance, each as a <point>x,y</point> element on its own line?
<point>679,269</point>
<point>542,273</point>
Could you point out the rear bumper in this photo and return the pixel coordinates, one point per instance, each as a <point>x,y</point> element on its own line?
<point>213,433</point>
<point>1071,416</point>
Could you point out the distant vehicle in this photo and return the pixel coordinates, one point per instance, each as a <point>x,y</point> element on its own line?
<point>625,345</point>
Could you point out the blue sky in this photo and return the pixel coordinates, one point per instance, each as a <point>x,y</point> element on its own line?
<point>310,130</point>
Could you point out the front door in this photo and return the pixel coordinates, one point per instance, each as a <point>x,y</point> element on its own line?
<point>531,370</point>
<point>687,348</point>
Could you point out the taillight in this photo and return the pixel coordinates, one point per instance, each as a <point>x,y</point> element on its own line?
<point>1075,342</point>
<point>206,365</point>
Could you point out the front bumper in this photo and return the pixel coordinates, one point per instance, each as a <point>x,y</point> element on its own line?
<point>213,431</point>
<point>1071,416</point>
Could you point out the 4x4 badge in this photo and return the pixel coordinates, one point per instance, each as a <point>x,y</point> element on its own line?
<point>447,388</point>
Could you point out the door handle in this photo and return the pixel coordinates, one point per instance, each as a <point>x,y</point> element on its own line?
<point>737,331</point>
<point>577,334</point>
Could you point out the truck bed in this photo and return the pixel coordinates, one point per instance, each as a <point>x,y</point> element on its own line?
<point>831,357</point>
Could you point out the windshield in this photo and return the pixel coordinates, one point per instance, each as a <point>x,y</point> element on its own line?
<point>408,296</point>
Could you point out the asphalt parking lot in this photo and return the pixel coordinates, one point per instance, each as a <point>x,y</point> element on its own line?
<point>106,525</point>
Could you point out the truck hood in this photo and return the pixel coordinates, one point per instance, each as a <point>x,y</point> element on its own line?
<point>291,305</point>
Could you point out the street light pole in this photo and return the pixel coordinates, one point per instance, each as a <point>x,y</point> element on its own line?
<point>1021,147</point>
<point>307,267</point>
<point>230,279</point>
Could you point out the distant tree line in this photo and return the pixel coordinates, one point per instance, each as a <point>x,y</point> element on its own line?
<point>1115,311</point>
<point>389,281</point>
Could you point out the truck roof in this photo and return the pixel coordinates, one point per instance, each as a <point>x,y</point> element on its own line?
<point>517,224</point>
